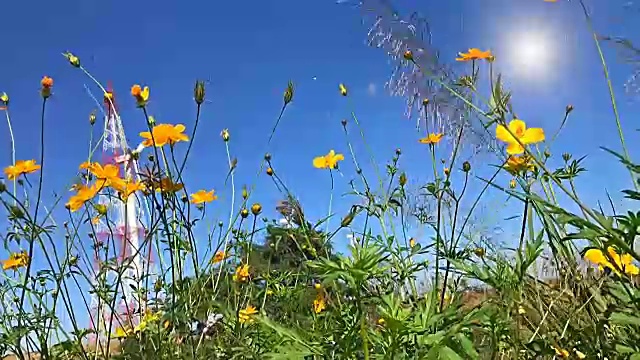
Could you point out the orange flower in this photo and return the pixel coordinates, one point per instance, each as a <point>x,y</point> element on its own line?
<point>431,139</point>
<point>166,185</point>
<point>475,54</point>
<point>107,173</point>
<point>126,187</point>
<point>16,261</point>
<point>21,167</point>
<point>203,196</point>
<point>219,257</point>
<point>83,194</point>
<point>46,83</point>
<point>329,161</point>
<point>141,95</point>
<point>163,134</point>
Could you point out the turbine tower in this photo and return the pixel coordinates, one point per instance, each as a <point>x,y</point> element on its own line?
<point>124,227</point>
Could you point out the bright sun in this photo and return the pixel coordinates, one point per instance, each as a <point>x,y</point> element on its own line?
<point>529,54</point>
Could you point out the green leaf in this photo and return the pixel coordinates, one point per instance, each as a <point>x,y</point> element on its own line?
<point>619,318</point>
<point>446,352</point>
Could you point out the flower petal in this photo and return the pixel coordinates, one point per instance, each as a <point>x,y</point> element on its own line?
<point>319,162</point>
<point>503,135</point>
<point>533,135</point>
<point>517,127</point>
<point>514,148</point>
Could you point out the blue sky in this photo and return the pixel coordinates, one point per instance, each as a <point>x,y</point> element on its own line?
<point>249,50</point>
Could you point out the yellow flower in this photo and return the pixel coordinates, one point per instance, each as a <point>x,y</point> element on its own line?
<point>141,95</point>
<point>166,185</point>
<point>623,262</point>
<point>219,257</point>
<point>21,167</point>
<point>431,139</point>
<point>164,134</point>
<point>242,273</point>
<point>412,242</point>
<point>317,286</point>
<point>107,173</point>
<point>83,194</point>
<point>343,89</point>
<point>123,332</point>
<point>246,315</point>
<point>16,261</point>
<point>381,321</point>
<point>203,196</point>
<point>561,352</point>
<point>474,54</point>
<point>519,129</point>
<point>319,304</point>
<point>518,164</point>
<point>329,161</point>
<point>46,83</point>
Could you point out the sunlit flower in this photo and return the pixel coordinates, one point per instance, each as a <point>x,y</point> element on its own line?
<point>106,173</point>
<point>623,262</point>
<point>242,273</point>
<point>141,95</point>
<point>329,161</point>
<point>319,304</point>
<point>203,196</point>
<point>123,332</point>
<point>83,194</point>
<point>166,185</point>
<point>246,315</point>
<point>475,54</point>
<point>21,167</point>
<point>219,257</point>
<point>16,261</point>
<point>46,84</point>
<point>164,134</point>
<point>517,164</point>
<point>519,129</point>
<point>126,187</point>
<point>431,139</point>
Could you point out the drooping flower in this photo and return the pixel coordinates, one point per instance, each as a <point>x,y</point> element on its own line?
<point>519,129</point>
<point>246,315</point>
<point>21,167</point>
<point>475,54</point>
<point>163,134</point>
<point>16,261</point>
<point>518,164</point>
<point>140,94</point>
<point>219,257</point>
<point>623,262</point>
<point>431,139</point>
<point>329,161</point>
<point>203,196</point>
<point>242,273</point>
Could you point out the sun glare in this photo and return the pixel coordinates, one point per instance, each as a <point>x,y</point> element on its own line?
<point>530,54</point>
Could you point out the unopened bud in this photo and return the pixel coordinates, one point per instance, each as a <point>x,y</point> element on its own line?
<point>466,166</point>
<point>73,60</point>
<point>225,135</point>
<point>92,118</point>
<point>199,92</point>
<point>244,213</point>
<point>151,121</point>
<point>425,102</point>
<point>547,154</point>
<point>269,171</point>
<point>256,209</point>
<point>479,252</point>
<point>343,89</point>
<point>344,122</point>
<point>566,156</point>
<point>4,98</point>
<point>288,93</point>
<point>267,157</point>
<point>447,171</point>
<point>100,209</point>
<point>245,193</point>
<point>403,179</point>
<point>398,151</point>
<point>220,224</point>
<point>408,55</point>
<point>568,109</point>
<point>512,183</point>
<point>346,221</point>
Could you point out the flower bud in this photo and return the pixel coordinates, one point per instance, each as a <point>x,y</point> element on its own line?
<point>151,121</point>
<point>447,171</point>
<point>245,193</point>
<point>466,166</point>
<point>3,187</point>
<point>568,109</point>
<point>344,122</point>
<point>479,252</point>
<point>101,209</point>
<point>225,135</point>
<point>256,209</point>
<point>244,213</point>
<point>425,102</point>
<point>199,92</point>
<point>288,93</point>
<point>398,151</point>
<point>343,89</point>
<point>408,55</point>
<point>4,98</point>
<point>346,221</point>
<point>73,60</point>
<point>92,118</point>
<point>547,154</point>
<point>512,183</point>
<point>403,179</point>
<point>566,156</point>
<point>220,224</point>
<point>269,171</point>
<point>46,83</point>
<point>267,157</point>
